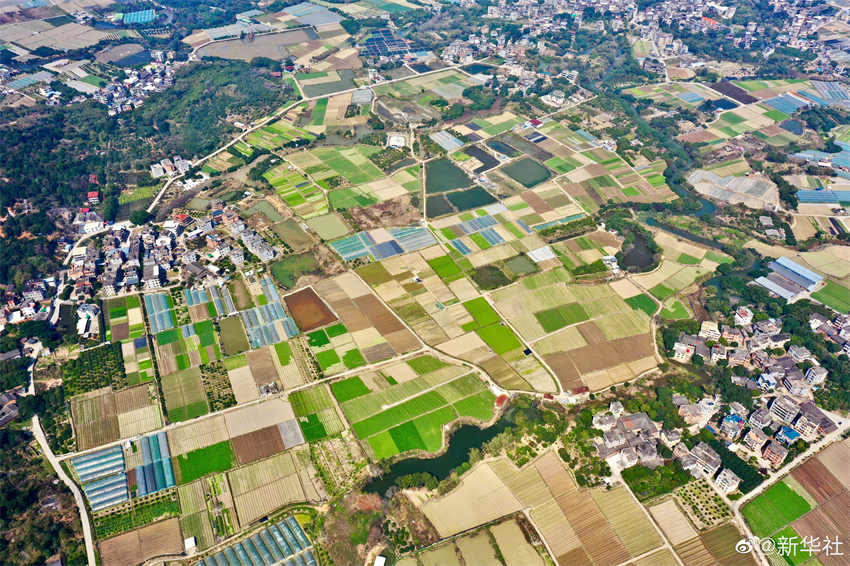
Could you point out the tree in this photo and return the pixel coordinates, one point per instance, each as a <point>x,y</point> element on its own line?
<point>139,217</point>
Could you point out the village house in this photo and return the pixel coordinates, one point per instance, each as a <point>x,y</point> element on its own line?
<point>727,481</point>
<point>775,453</point>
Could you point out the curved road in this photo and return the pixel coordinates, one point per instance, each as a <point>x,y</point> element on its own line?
<point>78,496</point>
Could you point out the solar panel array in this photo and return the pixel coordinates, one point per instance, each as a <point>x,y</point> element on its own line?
<point>384,43</point>
<point>283,543</point>
<point>102,476</point>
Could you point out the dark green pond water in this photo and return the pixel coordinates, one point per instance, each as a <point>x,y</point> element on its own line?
<point>460,442</point>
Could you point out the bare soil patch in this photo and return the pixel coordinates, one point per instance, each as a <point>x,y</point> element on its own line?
<point>308,310</point>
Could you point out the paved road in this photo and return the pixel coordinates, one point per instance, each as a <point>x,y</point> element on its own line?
<point>78,496</point>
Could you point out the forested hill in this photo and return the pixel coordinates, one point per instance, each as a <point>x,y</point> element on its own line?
<point>48,154</point>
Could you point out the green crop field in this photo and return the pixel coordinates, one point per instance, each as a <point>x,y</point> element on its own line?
<point>481,311</point>
<point>478,406</point>
<point>661,292</point>
<point>198,463</point>
<point>688,259</point>
<point>353,359</point>
<point>790,547</point>
<point>834,296</point>
<point>327,359</point>
<point>233,337</point>
<point>500,338</point>
<point>561,316</point>
<point>676,311</point>
<point>425,364</point>
<point>774,508</point>
<point>399,413</point>
<point>316,414</point>
<point>289,269</point>
<point>284,353</point>
<point>718,257</point>
<point>642,302</point>
<point>348,389</point>
<point>445,268</point>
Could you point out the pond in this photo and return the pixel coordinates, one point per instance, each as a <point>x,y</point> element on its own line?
<point>638,257</point>
<point>461,441</point>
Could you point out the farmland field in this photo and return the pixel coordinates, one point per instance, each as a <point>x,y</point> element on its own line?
<point>777,506</point>
<point>233,337</point>
<point>211,459</point>
<point>834,296</point>
<point>316,413</point>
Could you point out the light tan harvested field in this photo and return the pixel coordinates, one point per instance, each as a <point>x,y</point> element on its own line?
<point>526,483</point>
<point>596,535</point>
<point>694,553</point>
<point>130,549</point>
<point>191,497</point>
<point>444,555</point>
<point>553,526</point>
<point>257,445</point>
<point>835,458</point>
<point>262,366</point>
<point>817,480</point>
<point>628,520</point>
<point>832,519</point>
<point>197,435</point>
<point>259,502</point>
<point>139,421</point>
<point>661,558</point>
<point>480,498</point>
<point>254,417</point>
<point>476,549</point>
<point>264,486</point>
<point>95,418</point>
<point>515,549</point>
<point>576,529</point>
<point>673,522</point>
<point>243,385</point>
<point>248,478</point>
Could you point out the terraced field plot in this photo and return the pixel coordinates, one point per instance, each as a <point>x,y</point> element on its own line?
<point>351,163</point>
<point>305,198</point>
<point>316,413</point>
<point>449,85</point>
<point>579,526</point>
<point>430,306</point>
<point>103,415</point>
<point>138,363</point>
<point>184,395</point>
<point>598,338</point>
<point>411,413</point>
<point>369,333</point>
<point>276,135</point>
<point>683,263</point>
<point>188,346</point>
<point>124,318</point>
